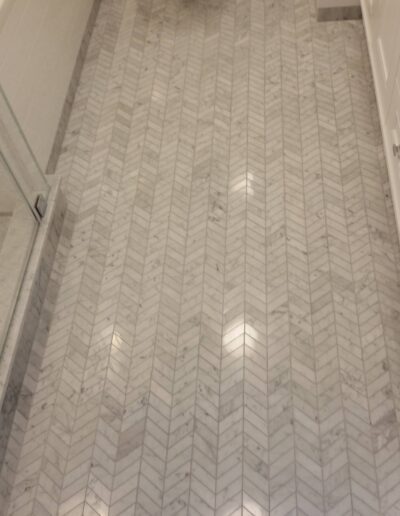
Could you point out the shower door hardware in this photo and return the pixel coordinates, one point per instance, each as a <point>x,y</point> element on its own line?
<point>40,207</point>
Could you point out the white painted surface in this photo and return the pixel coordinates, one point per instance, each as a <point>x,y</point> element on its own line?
<point>382,20</point>
<point>5,6</point>
<point>393,138</point>
<point>39,44</point>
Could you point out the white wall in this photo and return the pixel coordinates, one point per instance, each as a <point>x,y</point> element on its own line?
<point>39,44</point>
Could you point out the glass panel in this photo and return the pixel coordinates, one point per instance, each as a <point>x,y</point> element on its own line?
<point>18,228</point>
<point>18,155</point>
<point>21,182</point>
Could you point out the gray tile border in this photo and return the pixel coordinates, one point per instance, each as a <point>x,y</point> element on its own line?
<point>16,352</point>
<point>326,14</point>
<point>69,101</point>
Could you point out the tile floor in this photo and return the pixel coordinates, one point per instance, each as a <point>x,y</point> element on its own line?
<point>222,334</point>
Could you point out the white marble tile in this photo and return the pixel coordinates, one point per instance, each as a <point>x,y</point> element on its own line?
<point>225,338</point>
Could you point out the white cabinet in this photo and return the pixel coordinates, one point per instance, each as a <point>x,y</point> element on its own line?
<point>382,19</point>
<point>382,25</point>
<point>386,41</point>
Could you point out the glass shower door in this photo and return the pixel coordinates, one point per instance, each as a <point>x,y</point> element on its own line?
<point>23,195</point>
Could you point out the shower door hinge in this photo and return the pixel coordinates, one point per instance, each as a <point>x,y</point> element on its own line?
<point>40,206</point>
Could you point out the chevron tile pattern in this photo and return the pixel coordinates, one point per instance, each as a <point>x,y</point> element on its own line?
<point>222,329</point>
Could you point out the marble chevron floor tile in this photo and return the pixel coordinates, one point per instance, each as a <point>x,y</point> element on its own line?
<point>222,334</point>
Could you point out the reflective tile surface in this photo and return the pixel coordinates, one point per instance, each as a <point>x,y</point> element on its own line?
<point>223,331</point>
